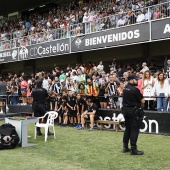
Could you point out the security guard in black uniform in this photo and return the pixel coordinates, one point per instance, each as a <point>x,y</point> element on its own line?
<point>132,99</point>
<point>39,95</point>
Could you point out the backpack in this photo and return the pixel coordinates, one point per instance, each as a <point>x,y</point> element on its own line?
<point>8,137</point>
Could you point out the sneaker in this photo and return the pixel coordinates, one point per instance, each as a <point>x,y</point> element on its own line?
<point>91,129</point>
<point>76,127</point>
<point>80,128</point>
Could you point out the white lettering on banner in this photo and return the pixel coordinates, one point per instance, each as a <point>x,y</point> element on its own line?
<point>109,38</point>
<point>115,37</point>
<point>13,54</point>
<point>167,29</point>
<point>104,38</point>
<point>124,35</point>
<point>5,54</point>
<point>130,34</point>
<point>136,34</point>
<point>150,126</point>
<point>99,40</point>
<point>34,51</point>
<point>112,38</point>
<point>146,126</point>
<point>54,49</point>
<point>94,41</point>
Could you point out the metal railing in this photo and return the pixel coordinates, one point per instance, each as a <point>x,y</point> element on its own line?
<point>109,22</point>
<point>111,101</point>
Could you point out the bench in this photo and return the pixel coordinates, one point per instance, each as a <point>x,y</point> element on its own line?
<point>26,114</point>
<point>105,122</point>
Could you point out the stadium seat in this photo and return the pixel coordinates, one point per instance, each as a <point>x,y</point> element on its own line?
<point>51,116</point>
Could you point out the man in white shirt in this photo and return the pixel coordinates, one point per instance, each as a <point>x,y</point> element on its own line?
<point>140,17</point>
<point>104,77</point>
<point>121,21</point>
<point>100,68</point>
<point>85,21</point>
<point>74,77</point>
<point>45,83</point>
<point>86,17</point>
<point>147,15</point>
<point>145,68</point>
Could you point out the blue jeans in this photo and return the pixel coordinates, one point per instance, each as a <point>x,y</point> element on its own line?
<point>14,99</point>
<point>162,103</point>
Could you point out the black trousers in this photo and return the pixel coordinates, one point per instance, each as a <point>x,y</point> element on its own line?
<point>132,129</point>
<point>39,111</point>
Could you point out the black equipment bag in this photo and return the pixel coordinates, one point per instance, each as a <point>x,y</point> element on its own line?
<point>8,137</point>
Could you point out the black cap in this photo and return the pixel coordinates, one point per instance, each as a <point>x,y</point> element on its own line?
<point>132,76</point>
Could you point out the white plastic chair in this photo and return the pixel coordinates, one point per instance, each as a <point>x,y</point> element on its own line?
<point>52,115</point>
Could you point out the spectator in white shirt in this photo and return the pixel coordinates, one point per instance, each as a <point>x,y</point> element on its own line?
<point>121,21</point>
<point>94,67</point>
<point>104,77</point>
<point>147,15</point>
<point>86,17</point>
<point>48,24</point>
<point>140,17</point>
<point>145,68</point>
<point>100,68</point>
<point>161,90</point>
<point>74,77</point>
<point>85,21</point>
<point>45,83</point>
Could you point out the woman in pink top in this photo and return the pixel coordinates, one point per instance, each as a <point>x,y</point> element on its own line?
<point>140,82</point>
<point>156,14</point>
<point>24,86</point>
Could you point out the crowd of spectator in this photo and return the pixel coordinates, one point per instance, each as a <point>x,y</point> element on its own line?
<point>91,80</point>
<point>76,18</point>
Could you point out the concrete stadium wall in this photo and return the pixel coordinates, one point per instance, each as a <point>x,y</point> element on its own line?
<point>159,48</point>
<point>12,67</point>
<point>120,53</point>
<point>155,51</point>
<point>51,62</point>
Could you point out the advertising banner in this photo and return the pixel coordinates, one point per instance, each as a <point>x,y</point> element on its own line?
<point>153,122</point>
<point>113,37</point>
<point>9,56</point>
<point>52,48</point>
<point>160,29</point>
